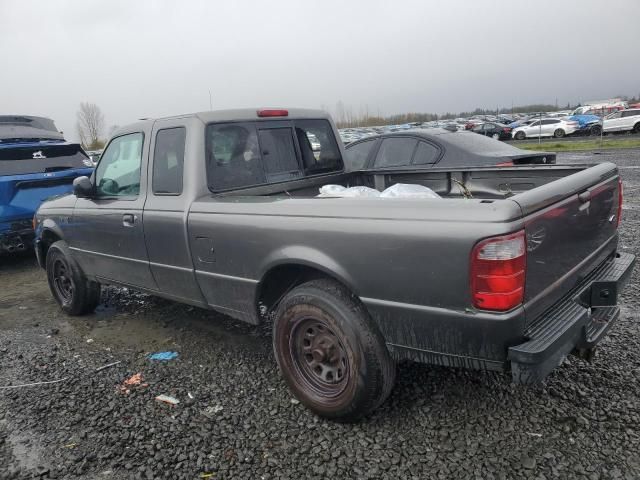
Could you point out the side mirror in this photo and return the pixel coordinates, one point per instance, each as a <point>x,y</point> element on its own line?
<point>82,187</point>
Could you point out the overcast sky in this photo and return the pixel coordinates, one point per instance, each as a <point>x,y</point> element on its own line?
<point>153,58</point>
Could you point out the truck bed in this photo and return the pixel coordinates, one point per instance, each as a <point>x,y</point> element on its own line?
<point>421,246</point>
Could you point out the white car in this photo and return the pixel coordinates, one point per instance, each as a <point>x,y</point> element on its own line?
<point>546,127</point>
<point>622,121</point>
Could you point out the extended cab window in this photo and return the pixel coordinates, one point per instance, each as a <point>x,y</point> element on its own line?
<point>168,160</point>
<point>233,156</point>
<point>118,173</point>
<point>318,147</point>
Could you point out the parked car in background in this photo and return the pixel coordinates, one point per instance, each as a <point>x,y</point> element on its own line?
<point>94,155</point>
<point>36,163</point>
<point>546,127</point>
<point>436,147</point>
<point>601,108</point>
<point>622,121</point>
<point>587,124</point>
<point>497,131</point>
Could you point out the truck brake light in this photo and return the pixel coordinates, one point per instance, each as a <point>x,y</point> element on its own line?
<point>620,195</point>
<point>498,267</point>
<point>266,112</point>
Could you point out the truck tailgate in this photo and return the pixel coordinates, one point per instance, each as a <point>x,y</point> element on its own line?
<point>571,227</point>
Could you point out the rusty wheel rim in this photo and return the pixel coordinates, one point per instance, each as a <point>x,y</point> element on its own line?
<point>319,357</point>
<point>62,280</point>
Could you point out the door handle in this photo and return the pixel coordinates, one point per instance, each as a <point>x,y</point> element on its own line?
<point>128,219</point>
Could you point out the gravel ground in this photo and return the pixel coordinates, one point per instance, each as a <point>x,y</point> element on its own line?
<point>236,419</point>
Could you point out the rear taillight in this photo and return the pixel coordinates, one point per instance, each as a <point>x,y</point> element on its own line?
<point>506,129</point>
<point>620,193</point>
<point>498,267</point>
<point>505,164</point>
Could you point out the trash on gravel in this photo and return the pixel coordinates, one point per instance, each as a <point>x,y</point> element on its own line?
<point>206,475</point>
<point>132,381</point>
<point>34,384</point>
<point>108,365</point>
<point>167,399</point>
<point>295,401</point>
<point>190,396</point>
<point>212,410</point>
<point>163,356</point>
<point>532,434</point>
<point>71,445</point>
<point>89,340</point>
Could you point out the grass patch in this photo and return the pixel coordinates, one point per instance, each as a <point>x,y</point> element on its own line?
<point>582,145</point>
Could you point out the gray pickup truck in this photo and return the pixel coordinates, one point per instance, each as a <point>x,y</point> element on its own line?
<point>511,269</point>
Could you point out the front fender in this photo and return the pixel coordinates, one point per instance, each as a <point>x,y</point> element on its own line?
<point>47,231</point>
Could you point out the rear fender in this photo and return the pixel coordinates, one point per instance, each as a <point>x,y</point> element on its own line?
<point>308,257</point>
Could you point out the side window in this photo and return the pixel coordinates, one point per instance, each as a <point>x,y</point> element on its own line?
<point>233,156</point>
<point>279,154</point>
<point>489,126</point>
<point>168,161</point>
<point>631,113</point>
<point>118,173</point>
<point>535,124</point>
<point>356,155</point>
<point>425,154</point>
<point>318,147</point>
<point>615,115</point>
<point>395,152</point>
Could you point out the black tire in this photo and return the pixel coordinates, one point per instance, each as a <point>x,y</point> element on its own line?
<point>636,128</point>
<point>75,294</point>
<point>595,131</point>
<point>520,136</point>
<point>320,325</point>
<point>559,133</point>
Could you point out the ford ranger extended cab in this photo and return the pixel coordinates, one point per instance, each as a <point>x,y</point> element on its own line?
<point>511,269</point>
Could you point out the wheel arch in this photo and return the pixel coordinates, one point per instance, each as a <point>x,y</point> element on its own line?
<point>288,271</point>
<point>49,233</point>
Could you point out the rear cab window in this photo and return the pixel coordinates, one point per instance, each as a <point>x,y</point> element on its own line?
<point>245,154</point>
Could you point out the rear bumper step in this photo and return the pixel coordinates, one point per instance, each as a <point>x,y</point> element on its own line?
<point>578,321</point>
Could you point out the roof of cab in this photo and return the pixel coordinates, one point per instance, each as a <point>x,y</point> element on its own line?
<point>251,114</point>
<point>234,115</point>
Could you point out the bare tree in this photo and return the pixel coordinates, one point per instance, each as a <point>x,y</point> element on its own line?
<point>90,125</point>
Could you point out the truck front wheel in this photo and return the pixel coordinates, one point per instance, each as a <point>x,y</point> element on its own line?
<point>75,294</point>
<point>331,355</point>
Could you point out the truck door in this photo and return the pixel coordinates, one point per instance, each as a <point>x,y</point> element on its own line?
<point>107,236</point>
<point>165,214</point>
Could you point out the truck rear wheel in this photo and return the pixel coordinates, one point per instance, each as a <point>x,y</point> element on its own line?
<point>331,355</point>
<point>75,294</point>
